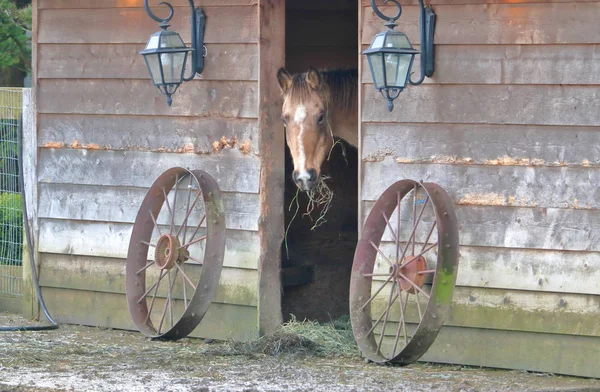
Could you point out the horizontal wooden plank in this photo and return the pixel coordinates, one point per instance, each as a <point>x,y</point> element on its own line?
<point>146,133</point>
<point>122,204</point>
<point>109,310</point>
<point>232,170</point>
<point>122,61</point>
<point>488,104</point>
<point>525,186</point>
<point>380,3</point>
<point>132,25</point>
<point>482,144</point>
<point>517,269</point>
<point>510,64</point>
<point>43,4</point>
<point>565,314</point>
<point>510,227</point>
<point>139,97</point>
<point>236,286</point>
<point>548,353</point>
<point>541,23</point>
<point>112,240</point>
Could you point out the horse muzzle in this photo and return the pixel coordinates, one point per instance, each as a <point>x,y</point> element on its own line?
<point>305,180</point>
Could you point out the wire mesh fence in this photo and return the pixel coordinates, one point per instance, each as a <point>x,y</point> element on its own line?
<point>11,213</point>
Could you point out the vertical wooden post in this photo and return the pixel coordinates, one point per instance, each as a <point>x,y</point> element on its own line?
<point>30,160</point>
<point>29,140</point>
<point>272,168</point>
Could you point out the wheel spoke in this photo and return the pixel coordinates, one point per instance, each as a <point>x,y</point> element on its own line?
<point>164,313</point>
<point>195,260</point>
<point>155,224</point>
<point>385,320</point>
<point>170,295</point>
<point>185,304</point>
<point>414,208</point>
<point>154,295</point>
<point>148,243</point>
<point>171,214</point>
<point>144,268</point>
<point>414,236</point>
<point>189,211</point>
<point>380,317</point>
<point>413,284</point>
<point>375,295</point>
<point>415,258</point>
<point>193,242</point>
<point>188,207</point>
<point>396,236</point>
<point>429,235</point>
<point>366,275</point>
<point>174,205</point>
<point>403,323</point>
<point>155,285</point>
<point>398,246</point>
<point>196,231</point>
<point>185,276</point>
<point>426,272</point>
<point>381,253</point>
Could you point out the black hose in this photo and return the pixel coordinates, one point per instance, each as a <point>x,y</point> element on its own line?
<point>30,246</point>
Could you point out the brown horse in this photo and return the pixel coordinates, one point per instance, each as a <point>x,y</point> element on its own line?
<point>317,106</point>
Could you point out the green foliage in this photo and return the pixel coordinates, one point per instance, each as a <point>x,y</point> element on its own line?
<point>15,22</point>
<point>11,228</point>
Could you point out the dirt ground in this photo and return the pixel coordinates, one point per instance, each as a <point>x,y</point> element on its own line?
<point>78,358</point>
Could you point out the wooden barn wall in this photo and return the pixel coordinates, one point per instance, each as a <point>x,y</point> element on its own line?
<point>105,134</point>
<point>509,125</point>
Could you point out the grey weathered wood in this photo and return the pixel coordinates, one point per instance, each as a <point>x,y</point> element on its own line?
<point>146,133</point>
<point>556,271</point>
<point>140,97</point>
<point>511,227</point>
<point>482,143</point>
<point>541,23</point>
<point>530,311</point>
<point>122,204</point>
<point>132,25</point>
<point>233,171</point>
<point>42,4</point>
<point>236,286</point>
<point>511,64</point>
<point>122,61</point>
<point>109,310</point>
<point>528,186</point>
<point>491,104</point>
<point>111,240</point>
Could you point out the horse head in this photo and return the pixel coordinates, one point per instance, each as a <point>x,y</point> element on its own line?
<point>305,113</point>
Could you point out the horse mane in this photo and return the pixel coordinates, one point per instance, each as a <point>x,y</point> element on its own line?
<point>340,88</point>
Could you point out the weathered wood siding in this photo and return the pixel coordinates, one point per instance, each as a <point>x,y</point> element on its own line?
<point>105,134</point>
<point>509,125</point>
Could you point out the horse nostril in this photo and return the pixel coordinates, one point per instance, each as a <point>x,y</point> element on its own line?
<point>313,174</point>
<point>295,176</point>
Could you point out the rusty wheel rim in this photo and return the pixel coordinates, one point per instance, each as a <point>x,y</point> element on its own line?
<point>400,290</point>
<point>175,254</point>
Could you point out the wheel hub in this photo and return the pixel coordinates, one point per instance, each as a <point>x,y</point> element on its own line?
<point>410,268</point>
<point>168,252</point>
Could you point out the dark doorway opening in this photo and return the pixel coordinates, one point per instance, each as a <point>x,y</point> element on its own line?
<point>317,263</point>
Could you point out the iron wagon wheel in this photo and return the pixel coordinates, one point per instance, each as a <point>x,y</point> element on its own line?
<point>400,290</point>
<point>175,254</point>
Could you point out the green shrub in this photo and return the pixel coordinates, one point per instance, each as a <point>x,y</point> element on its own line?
<point>11,228</point>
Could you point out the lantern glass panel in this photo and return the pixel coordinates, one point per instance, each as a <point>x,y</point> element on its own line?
<point>172,65</point>
<point>397,67</point>
<point>376,64</point>
<point>398,41</point>
<point>154,67</point>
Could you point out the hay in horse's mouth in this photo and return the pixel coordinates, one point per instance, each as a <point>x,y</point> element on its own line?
<point>319,196</point>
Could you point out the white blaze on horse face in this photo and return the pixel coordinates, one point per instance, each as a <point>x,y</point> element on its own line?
<point>299,120</point>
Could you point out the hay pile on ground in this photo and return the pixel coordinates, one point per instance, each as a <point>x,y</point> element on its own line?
<point>332,339</point>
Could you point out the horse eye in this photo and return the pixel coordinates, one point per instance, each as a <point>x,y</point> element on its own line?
<point>321,119</point>
<point>284,120</point>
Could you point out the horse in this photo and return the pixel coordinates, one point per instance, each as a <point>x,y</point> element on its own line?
<point>318,106</point>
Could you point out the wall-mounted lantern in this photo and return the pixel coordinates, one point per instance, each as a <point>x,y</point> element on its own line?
<point>391,54</point>
<point>166,54</point>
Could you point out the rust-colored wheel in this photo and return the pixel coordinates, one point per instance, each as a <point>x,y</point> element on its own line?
<point>404,272</point>
<point>175,254</point>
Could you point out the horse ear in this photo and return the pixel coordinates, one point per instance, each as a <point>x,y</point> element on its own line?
<point>284,79</point>
<point>313,78</point>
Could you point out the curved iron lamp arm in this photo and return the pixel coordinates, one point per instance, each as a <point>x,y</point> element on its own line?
<point>391,20</point>
<point>427,27</point>
<point>197,21</point>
